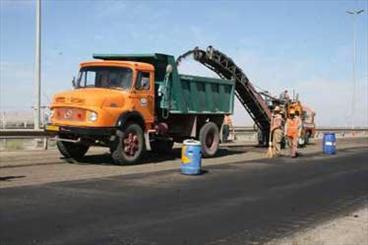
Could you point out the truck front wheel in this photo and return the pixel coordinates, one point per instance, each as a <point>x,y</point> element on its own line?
<point>209,138</point>
<point>129,145</point>
<point>72,150</point>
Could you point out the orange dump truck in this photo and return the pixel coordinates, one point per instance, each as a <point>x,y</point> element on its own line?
<point>130,103</point>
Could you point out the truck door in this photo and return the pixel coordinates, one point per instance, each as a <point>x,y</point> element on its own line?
<point>144,95</point>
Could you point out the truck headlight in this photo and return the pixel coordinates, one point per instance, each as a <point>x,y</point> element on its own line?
<point>92,116</point>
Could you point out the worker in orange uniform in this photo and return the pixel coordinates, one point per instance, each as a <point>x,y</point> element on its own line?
<point>293,129</point>
<point>277,130</point>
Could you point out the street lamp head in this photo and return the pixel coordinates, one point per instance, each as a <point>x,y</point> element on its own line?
<point>360,11</point>
<point>355,11</point>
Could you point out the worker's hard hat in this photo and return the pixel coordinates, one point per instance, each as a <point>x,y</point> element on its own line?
<point>277,108</point>
<point>292,111</point>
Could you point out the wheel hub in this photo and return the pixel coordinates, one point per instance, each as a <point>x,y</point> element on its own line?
<point>131,144</point>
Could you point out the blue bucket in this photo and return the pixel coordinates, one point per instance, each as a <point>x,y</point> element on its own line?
<point>191,156</point>
<point>329,143</point>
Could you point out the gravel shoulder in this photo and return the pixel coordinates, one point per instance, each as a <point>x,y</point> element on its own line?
<point>352,228</point>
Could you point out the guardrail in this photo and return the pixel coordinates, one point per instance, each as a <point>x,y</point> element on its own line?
<point>31,133</point>
<point>22,133</point>
<point>321,129</point>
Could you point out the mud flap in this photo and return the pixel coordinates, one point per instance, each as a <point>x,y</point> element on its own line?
<point>147,141</point>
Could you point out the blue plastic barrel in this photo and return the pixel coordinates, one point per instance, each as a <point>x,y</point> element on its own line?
<point>191,156</point>
<point>329,143</point>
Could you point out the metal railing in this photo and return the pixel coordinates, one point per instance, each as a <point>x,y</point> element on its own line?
<point>22,133</point>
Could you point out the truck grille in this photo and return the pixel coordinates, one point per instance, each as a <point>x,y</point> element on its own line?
<point>70,114</point>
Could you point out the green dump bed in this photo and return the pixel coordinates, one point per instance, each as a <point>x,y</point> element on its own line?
<point>201,95</point>
<point>183,94</point>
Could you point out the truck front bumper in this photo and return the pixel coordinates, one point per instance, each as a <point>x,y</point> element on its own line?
<point>81,131</point>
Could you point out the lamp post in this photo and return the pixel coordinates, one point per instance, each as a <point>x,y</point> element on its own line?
<point>37,75</point>
<point>354,13</point>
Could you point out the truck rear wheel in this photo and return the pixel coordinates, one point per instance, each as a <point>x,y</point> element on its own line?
<point>209,138</point>
<point>72,150</point>
<point>129,145</point>
<point>162,146</point>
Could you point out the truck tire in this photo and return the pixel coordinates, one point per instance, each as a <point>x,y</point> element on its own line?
<point>129,145</point>
<point>162,146</point>
<point>209,138</point>
<point>71,150</point>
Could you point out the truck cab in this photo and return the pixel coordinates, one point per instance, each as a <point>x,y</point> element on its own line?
<point>103,90</point>
<point>106,94</point>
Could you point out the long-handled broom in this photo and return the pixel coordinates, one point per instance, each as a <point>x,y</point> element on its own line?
<point>269,152</point>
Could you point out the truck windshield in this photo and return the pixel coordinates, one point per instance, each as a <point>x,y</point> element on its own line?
<point>105,77</point>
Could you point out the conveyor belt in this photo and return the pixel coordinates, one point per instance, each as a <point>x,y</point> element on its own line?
<point>224,66</point>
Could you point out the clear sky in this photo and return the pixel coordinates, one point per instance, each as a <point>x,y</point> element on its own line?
<point>301,45</point>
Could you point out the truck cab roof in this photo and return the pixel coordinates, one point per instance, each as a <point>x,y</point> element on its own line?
<point>158,60</point>
<point>147,58</point>
<point>139,65</point>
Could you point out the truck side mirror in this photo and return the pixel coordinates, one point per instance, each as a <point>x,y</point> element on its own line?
<point>169,69</point>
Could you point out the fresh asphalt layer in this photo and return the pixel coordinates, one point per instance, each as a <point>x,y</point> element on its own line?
<point>233,203</point>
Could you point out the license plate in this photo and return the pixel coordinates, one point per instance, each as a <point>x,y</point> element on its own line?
<point>52,128</point>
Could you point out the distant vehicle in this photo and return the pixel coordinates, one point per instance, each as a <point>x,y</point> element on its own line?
<point>309,126</point>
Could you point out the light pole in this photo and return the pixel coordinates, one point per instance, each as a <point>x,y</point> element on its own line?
<point>354,13</point>
<point>37,82</point>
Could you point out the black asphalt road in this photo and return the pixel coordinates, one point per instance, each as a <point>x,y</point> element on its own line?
<point>234,203</point>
